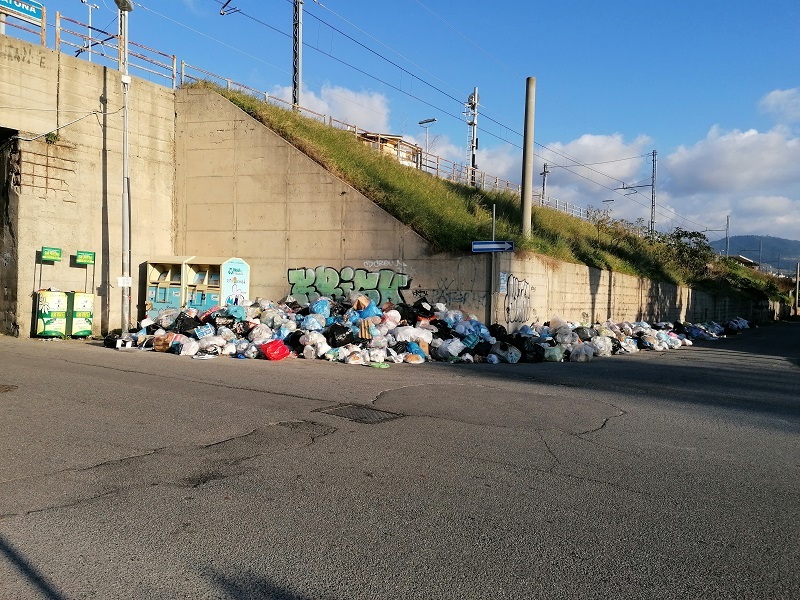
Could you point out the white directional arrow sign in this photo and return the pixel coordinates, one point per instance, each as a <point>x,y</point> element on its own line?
<point>493,246</point>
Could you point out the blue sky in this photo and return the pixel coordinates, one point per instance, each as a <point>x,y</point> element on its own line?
<point>713,86</point>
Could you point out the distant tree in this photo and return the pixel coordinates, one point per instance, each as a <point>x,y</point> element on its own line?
<point>688,250</point>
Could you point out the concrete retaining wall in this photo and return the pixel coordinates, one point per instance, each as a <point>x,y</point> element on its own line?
<point>207,179</point>
<point>243,191</point>
<point>67,194</point>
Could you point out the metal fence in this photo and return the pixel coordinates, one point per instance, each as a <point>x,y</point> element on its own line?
<point>104,47</point>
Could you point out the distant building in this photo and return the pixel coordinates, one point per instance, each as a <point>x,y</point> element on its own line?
<point>393,145</point>
<point>743,260</point>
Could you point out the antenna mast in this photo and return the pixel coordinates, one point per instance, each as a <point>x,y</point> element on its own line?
<point>472,120</point>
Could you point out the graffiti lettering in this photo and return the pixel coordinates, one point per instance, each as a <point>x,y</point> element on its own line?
<point>380,286</point>
<point>386,264</point>
<point>518,300</point>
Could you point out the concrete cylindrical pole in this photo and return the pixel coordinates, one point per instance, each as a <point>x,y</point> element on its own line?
<point>797,291</point>
<point>527,155</point>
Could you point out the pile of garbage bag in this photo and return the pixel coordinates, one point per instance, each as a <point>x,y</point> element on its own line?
<point>358,332</point>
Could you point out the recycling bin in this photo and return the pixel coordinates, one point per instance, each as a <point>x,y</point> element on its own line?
<point>213,281</point>
<point>165,289</point>
<point>80,311</point>
<point>51,314</point>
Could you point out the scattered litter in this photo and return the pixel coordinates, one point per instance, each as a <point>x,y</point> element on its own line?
<point>358,332</point>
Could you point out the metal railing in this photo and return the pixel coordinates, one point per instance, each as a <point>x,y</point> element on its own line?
<point>23,25</point>
<point>95,42</point>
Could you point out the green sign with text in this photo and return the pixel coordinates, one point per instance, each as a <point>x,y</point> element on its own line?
<point>84,257</point>
<point>51,254</point>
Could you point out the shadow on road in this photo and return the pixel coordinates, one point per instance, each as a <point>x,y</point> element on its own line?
<point>755,371</point>
<point>249,586</point>
<point>30,572</point>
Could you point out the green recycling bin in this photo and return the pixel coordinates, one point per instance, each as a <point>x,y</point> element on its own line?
<point>80,311</point>
<point>51,314</point>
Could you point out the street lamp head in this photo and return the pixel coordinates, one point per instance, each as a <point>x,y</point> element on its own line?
<point>124,5</point>
<point>426,121</point>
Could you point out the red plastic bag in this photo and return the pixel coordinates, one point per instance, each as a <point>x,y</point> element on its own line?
<point>275,350</point>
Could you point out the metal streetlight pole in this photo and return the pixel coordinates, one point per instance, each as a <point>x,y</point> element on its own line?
<point>125,6</point>
<point>425,124</point>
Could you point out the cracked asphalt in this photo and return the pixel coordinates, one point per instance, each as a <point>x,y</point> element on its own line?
<point>657,475</point>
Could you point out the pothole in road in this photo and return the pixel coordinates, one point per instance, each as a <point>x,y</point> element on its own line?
<point>361,414</point>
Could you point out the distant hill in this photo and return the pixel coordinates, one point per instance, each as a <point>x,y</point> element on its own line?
<point>776,254</point>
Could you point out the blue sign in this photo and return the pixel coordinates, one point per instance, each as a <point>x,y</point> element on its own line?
<point>26,10</point>
<point>493,246</point>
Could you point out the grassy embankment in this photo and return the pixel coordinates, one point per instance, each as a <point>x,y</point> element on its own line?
<point>451,215</point>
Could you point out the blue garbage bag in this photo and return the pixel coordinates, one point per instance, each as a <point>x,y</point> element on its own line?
<point>371,311</point>
<point>321,307</point>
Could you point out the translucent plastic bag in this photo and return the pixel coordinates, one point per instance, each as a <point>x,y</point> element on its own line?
<point>581,353</point>
<point>602,345</point>
<point>259,332</point>
<point>190,348</point>
<point>554,354</point>
<point>313,322</point>
<point>506,352</point>
<point>565,335</point>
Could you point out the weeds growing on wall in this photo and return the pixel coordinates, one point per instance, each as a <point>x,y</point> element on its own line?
<point>450,215</point>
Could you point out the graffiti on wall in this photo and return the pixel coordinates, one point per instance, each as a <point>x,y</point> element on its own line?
<point>384,285</point>
<point>446,293</point>
<point>518,300</point>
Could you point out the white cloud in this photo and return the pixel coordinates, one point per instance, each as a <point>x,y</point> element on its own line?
<point>782,105</point>
<point>366,110</point>
<point>609,160</point>
<point>736,161</point>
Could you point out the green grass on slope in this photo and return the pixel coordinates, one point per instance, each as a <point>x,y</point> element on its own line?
<point>450,216</point>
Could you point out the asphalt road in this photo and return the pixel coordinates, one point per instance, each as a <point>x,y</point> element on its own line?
<point>655,475</point>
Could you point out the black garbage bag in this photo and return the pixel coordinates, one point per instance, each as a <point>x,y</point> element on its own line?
<point>424,308</point>
<point>518,341</point>
<point>642,343</point>
<point>482,349</point>
<point>338,335</point>
<point>184,323</point>
<point>585,333</point>
<point>443,329</point>
<point>530,343</point>
<point>338,308</point>
<point>407,313</point>
<point>400,347</point>
<point>535,354</point>
<point>679,328</point>
<point>616,346</point>
<point>293,340</point>
<point>497,331</point>
<point>110,341</point>
<point>241,328</point>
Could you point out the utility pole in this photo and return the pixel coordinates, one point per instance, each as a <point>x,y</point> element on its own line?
<point>125,6</point>
<point>91,7</point>
<point>297,54</point>
<point>472,121</point>
<point>653,197</point>
<point>727,235</point>
<point>545,172</point>
<point>526,193</point>
<point>652,186</point>
<point>797,291</point>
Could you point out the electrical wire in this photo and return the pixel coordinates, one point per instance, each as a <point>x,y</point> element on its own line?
<point>330,55</point>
